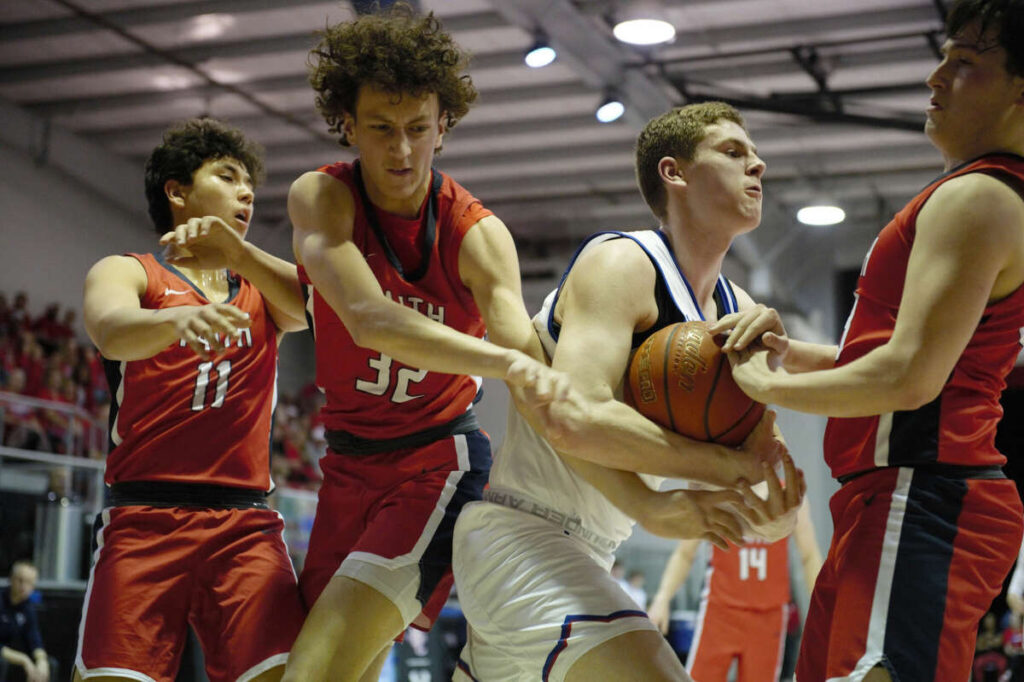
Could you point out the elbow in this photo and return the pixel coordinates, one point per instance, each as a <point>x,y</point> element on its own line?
<point>107,344</point>
<point>913,394</point>
<point>565,428</point>
<point>916,387</point>
<point>909,383</point>
<point>369,324</point>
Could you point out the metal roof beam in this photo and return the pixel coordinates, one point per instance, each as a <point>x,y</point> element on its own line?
<point>248,47</point>
<point>594,55</point>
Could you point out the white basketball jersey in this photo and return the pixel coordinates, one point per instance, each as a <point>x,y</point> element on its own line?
<point>527,473</point>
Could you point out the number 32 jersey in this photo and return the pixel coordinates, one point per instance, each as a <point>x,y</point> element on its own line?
<point>177,417</point>
<point>369,394</point>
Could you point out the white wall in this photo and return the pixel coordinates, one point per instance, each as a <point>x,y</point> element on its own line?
<point>65,203</point>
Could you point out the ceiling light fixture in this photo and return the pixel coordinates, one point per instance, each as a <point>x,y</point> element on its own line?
<point>821,214</point>
<point>209,26</point>
<point>540,54</point>
<point>612,108</point>
<point>643,23</point>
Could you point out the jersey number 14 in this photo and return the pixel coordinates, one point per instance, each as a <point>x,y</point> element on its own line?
<point>753,559</point>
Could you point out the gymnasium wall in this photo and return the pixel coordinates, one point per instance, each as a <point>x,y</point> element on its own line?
<point>65,203</point>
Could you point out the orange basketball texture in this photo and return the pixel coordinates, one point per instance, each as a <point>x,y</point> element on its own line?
<point>680,378</point>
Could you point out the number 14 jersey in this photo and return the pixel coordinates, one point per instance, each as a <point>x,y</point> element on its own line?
<point>179,418</point>
<point>369,394</point>
<point>754,575</point>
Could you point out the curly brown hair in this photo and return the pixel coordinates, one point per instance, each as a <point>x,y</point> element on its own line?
<point>396,51</point>
<point>675,133</point>
<point>185,148</point>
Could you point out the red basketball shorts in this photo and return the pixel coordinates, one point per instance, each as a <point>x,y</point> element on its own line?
<point>915,562</point>
<point>387,520</point>
<point>753,637</point>
<point>224,571</point>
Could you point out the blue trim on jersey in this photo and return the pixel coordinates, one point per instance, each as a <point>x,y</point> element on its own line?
<point>727,295</point>
<point>664,237</point>
<point>464,667</point>
<point>582,618</point>
<point>723,286</point>
<point>437,557</point>
<point>917,603</point>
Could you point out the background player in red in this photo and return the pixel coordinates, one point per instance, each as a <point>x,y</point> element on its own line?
<point>926,525</point>
<point>404,268</point>
<point>191,357</point>
<point>744,608</point>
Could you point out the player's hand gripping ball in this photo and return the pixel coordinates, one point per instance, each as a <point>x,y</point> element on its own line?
<point>681,379</point>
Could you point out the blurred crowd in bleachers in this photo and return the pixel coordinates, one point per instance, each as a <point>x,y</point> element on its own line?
<point>43,359</point>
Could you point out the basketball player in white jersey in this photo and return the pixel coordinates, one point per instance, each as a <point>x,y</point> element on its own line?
<point>532,560</point>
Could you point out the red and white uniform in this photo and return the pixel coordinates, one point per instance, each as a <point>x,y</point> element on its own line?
<point>181,425</point>
<point>746,590</point>
<point>926,527</point>
<point>368,393</point>
<point>959,426</point>
<point>391,492</point>
<point>163,406</point>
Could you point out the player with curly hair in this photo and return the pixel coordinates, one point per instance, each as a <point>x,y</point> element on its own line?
<point>404,269</point>
<point>189,343</point>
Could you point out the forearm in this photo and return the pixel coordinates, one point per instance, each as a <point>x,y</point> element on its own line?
<point>808,357</point>
<point>135,333</point>
<point>676,570</point>
<point>612,434</point>
<point>278,281</point>
<point>876,383</point>
<point>624,489</point>
<point>399,331</point>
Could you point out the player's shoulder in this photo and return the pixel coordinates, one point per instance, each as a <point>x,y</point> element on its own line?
<point>117,267</point>
<point>317,199</point>
<point>984,204</point>
<point>620,259</point>
<point>978,193</point>
<point>316,186</point>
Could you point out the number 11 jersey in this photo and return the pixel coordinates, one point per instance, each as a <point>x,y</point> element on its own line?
<point>176,417</point>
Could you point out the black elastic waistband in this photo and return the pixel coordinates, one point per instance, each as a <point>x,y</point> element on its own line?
<point>171,494</point>
<point>940,469</point>
<point>345,443</point>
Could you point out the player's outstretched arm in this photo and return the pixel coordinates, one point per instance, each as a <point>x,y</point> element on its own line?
<point>123,330</point>
<point>676,570</point>
<point>807,546</point>
<point>210,243</point>
<point>599,311</point>
<point>322,212</point>
<point>968,251</point>
<point>757,325</point>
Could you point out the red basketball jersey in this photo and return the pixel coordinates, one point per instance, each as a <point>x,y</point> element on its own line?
<point>754,575</point>
<point>177,417</point>
<point>959,426</point>
<point>368,393</point>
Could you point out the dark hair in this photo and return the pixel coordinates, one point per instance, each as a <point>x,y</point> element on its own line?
<point>675,133</point>
<point>185,148</point>
<point>1004,17</point>
<point>394,50</point>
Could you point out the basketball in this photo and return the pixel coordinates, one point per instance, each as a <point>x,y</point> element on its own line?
<point>680,378</point>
